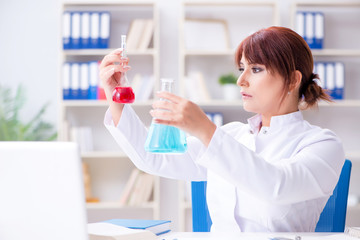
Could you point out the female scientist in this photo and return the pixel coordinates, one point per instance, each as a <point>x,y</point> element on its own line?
<point>274,173</point>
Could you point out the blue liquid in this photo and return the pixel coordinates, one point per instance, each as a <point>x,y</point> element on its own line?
<point>165,139</point>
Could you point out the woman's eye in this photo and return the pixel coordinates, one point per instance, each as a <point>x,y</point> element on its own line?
<point>256,70</point>
<point>241,70</point>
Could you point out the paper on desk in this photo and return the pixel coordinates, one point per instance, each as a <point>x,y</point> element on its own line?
<point>100,231</point>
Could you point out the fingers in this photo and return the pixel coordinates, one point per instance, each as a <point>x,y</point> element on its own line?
<point>114,57</point>
<point>106,72</point>
<point>163,117</point>
<point>164,105</point>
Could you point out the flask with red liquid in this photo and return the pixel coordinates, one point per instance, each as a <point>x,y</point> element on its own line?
<point>124,92</point>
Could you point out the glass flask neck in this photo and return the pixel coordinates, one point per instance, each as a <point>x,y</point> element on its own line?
<point>167,85</point>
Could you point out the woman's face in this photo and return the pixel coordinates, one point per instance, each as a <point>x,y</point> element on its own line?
<point>261,90</point>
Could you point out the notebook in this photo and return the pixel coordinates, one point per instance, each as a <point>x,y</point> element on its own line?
<point>41,191</point>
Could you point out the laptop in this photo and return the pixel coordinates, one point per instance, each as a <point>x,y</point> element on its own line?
<point>41,191</point>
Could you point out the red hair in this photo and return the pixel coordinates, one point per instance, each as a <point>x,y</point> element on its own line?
<point>284,51</point>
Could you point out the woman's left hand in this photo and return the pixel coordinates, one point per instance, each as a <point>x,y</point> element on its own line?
<point>183,114</point>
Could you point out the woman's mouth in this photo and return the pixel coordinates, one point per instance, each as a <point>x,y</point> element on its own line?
<point>245,95</point>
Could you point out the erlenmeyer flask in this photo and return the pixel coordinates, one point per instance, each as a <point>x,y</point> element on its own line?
<point>163,138</point>
<point>124,92</point>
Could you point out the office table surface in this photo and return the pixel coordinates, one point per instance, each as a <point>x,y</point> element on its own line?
<point>254,236</point>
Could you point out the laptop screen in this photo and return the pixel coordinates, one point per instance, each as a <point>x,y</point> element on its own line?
<point>41,191</point>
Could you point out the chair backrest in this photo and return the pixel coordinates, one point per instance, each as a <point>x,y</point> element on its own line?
<point>332,219</point>
<point>201,220</point>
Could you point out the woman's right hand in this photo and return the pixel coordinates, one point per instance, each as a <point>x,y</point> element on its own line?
<point>110,71</point>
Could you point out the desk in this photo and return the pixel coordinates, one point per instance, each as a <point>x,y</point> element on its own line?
<point>253,236</point>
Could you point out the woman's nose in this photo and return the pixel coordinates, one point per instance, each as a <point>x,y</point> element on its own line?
<point>242,80</point>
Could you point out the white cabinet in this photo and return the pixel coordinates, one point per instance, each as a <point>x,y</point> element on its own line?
<point>109,167</point>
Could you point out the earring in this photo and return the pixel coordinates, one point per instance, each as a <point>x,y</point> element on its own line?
<point>289,92</point>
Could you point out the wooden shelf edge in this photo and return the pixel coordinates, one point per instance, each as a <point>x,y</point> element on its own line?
<point>102,52</point>
<point>336,52</point>
<point>98,103</point>
<point>103,154</point>
<point>115,205</point>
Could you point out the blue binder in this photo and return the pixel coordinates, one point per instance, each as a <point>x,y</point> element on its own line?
<point>94,29</point>
<point>75,81</point>
<point>85,30</point>
<point>339,80</point>
<point>93,80</point>
<point>66,81</point>
<point>66,25</point>
<point>84,80</point>
<point>310,25</point>
<point>104,29</point>
<point>332,77</point>
<point>75,30</point>
<point>318,30</point>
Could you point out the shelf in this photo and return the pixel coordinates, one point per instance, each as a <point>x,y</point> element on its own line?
<point>315,52</point>
<point>222,4</point>
<point>98,103</point>
<point>239,103</point>
<point>336,52</point>
<point>103,52</point>
<point>109,166</point>
<point>107,3</point>
<point>354,208</point>
<point>228,52</point>
<point>116,205</point>
<point>341,103</point>
<point>186,205</point>
<point>103,154</point>
<point>327,4</point>
<point>353,156</point>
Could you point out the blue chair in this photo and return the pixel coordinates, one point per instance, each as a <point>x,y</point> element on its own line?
<point>332,219</point>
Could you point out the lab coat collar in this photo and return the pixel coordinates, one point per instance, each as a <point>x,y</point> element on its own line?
<point>276,121</point>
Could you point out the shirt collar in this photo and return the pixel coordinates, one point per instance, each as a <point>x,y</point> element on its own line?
<point>276,121</point>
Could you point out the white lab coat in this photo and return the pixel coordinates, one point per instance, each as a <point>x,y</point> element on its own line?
<point>275,179</point>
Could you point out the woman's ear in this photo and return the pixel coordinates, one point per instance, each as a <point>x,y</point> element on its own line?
<point>296,81</point>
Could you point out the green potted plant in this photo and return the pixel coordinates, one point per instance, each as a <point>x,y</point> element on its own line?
<point>230,89</point>
<point>12,128</point>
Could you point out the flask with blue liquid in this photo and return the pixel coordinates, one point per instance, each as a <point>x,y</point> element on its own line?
<point>164,138</point>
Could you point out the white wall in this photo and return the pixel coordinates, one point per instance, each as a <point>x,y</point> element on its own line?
<point>29,47</point>
<point>30,43</point>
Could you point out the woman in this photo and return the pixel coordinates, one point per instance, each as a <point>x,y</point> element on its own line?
<point>274,173</point>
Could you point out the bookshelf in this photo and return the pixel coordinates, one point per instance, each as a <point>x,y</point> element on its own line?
<point>213,62</point>
<point>109,167</point>
<point>341,21</point>
<point>107,160</point>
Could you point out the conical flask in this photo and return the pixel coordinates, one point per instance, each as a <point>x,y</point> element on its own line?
<point>124,92</point>
<point>164,138</point>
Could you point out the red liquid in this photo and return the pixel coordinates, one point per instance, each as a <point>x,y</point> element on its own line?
<point>123,95</point>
